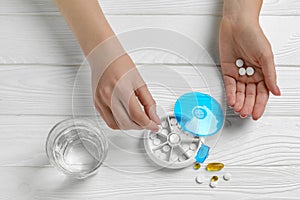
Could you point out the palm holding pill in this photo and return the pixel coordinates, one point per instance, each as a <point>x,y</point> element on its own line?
<point>246,60</point>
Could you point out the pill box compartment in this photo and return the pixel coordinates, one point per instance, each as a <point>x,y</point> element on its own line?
<point>170,147</point>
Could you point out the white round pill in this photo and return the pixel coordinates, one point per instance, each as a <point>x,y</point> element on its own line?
<point>166,148</point>
<point>250,71</point>
<point>185,147</point>
<point>165,131</point>
<point>156,141</point>
<point>173,121</point>
<point>199,179</point>
<point>242,71</point>
<point>193,146</point>
<point>153,136</point>
<point>227,176</point>
<point>164,124</point>
<point>239,63</point>
<point>213,184</point>
<point>174,138</point>
<point>157,153</point>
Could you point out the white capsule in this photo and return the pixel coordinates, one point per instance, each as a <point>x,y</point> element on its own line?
<point>239,63</point>
<point>181,158</point>
<point>174,157</point>
<point>189,153</point>
<point>227,176</point>
<point>199,179</point>
<point>250,71</point>
<point>185,147</point>
<point>242,71</point>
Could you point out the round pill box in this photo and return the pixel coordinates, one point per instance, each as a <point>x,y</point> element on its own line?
<point>170,147</point>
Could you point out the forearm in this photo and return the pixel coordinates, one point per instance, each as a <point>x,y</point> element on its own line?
<point>241,11</point>
<point>87,22</point>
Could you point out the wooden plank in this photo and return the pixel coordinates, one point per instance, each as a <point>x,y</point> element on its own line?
<point>272,141</point>
<point>35,39</point>
<point>153,7</point>
<point>249,183</point>
<point>47,90</point>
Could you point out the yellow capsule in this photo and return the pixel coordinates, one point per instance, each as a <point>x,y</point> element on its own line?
<point>197,166</point>
<point>214,166</point>
<point>214,179</point>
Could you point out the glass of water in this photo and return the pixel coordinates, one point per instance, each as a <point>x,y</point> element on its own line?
<point>77,147</point>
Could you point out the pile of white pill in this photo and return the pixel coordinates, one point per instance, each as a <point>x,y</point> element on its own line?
<point>242,70</point>
<point>212,167</point>
<point>213,182</point>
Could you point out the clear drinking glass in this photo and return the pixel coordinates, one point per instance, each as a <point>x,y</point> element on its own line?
<point>77,147</point>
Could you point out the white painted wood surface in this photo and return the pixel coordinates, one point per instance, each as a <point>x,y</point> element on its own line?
<point>36,87</point>
<point>151,7</point>
<point>51,41</point>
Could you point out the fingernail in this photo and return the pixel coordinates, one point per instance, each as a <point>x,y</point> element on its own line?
<point>243,116</point>
<point>278,91</point>
<point>156,129</point>
<point>152,126</point>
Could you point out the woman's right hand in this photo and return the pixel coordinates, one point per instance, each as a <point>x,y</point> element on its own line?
<point>123,99</point>
<point>118,89</point>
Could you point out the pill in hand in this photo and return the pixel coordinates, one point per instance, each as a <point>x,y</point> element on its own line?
<point>239,63</point>
<point>242,71</point>
<point>250,71</point>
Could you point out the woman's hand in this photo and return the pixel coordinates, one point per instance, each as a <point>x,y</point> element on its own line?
<point>120,95</point>
<point>242,37</point>
<point>119,90</point>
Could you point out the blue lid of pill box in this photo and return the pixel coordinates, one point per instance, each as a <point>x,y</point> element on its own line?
<point>199,114</point>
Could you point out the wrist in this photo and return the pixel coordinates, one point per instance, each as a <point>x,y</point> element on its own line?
<point>93,36</point>
<point>242,11</point>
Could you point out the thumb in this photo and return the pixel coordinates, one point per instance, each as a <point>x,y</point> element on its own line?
<point>269,72</point>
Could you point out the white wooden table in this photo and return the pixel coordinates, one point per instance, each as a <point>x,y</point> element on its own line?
<point>39,58</point>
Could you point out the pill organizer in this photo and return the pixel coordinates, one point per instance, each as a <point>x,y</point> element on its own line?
<point>180,139</point>
<point>171,147</point>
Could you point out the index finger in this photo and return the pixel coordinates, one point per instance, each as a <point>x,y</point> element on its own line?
<point>138,115</point>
